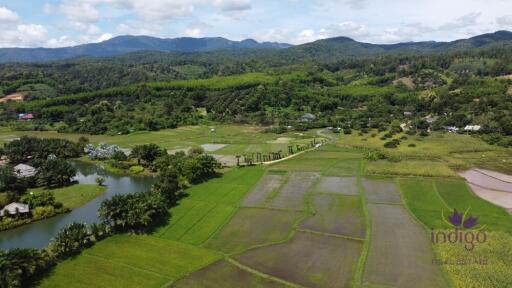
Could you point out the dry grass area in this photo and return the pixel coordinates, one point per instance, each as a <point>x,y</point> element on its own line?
<point>407,81</point>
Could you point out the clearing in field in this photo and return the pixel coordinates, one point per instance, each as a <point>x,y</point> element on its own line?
<point>308,259</point>
<point>381,191</point>
<point>263,190</point>
<point>250,227</point>
<point>338,185</point>
<point>400,253</point>
<point>130,261</point>
<point>224,274</point>
<point>336,214</point>
<point>292,196</point>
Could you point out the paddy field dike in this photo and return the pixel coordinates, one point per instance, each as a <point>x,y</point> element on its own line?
<point>320,219</point>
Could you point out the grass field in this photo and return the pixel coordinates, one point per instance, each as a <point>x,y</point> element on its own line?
<point>76,195</point>
<point>241,139</point>
<point>130,261</point>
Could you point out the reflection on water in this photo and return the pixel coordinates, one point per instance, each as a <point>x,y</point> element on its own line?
<point>38,234</point>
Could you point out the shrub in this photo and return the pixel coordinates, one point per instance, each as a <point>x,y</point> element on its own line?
<point>412,145</point>
<point>390,144</point>
<point>136,169</point>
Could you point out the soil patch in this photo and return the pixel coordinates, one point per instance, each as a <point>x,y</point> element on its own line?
<point>477,178</point>
<point>213,147</point>
<point>308,259</point>
<point>223,274</point>
<point>338,185</point>
<point>254,226</point>
<point>263,190</point>
<point>502,199</point>
<point>497,175</point>
<point>400,252</point>
<point>292,196</point>
<point>336,214</point>
<point>381,191</point>
<point>18,97</point>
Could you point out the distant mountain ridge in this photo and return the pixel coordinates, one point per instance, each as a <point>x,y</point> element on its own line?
<point>326,48</point>
<point>126,44</point>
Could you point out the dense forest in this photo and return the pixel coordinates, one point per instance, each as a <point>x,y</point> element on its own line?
<point>342,82</point>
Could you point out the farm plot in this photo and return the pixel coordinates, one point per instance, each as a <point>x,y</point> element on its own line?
<point>223,274</point>
<point>254,226</point>
<point>338,185</point>
<point>130,261</point>
<point>263,190</point>
<point>499,198</point>
<point>457,195</point>
<point>308,259</point>
<point>336,214</point>
<point>381,191</point>
<point>424,201</point>
<point>292,196</point>
<point>399,253</point>
<point>345,167</point>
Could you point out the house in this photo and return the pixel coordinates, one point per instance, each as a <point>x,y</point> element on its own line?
<point>407,113</point>
<point>307,117</point>
<point>472,128</point>
<point>24,171</point>
<point>451,129</point>
<point>15,208</point>
<point>25,117</point>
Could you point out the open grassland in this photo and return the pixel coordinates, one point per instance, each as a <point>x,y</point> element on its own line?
<point>434,155</point>
<point>76,195</point>
<point>240,139</point>
<point>308,259</point>
<point>487,265</point>
<point>130,261</point>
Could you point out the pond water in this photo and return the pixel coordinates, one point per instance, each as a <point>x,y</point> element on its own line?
<point>38,234</point>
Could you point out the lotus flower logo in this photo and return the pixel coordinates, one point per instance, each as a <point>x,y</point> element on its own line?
<point>459,220</point>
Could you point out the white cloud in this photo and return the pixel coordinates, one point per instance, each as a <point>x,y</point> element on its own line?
<point>505,20</point>
<point>462,22</point>
<point>7,16</point>
<point>233,5</point>
<point>23,35</point>
<point>78,11</point>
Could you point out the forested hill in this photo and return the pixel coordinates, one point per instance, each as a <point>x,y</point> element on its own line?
<point>127,44</point>
<point>326,49</point>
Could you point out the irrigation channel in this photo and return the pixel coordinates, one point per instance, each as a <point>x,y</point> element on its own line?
<point>39,234</point>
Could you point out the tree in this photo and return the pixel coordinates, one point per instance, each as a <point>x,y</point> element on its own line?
<point>71,240</point>
<point>7,178</point>
<point>167,185</point>
<point>18,266</point>
<point>100,180</point>
<point>147,153</point>
<point>55,173</point>
<point>200,168</point>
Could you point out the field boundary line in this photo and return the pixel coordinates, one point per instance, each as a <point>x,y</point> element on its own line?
<point>261,274</point>
<point>273,194</point>
<point>214,233</point>
<point>386,203</point>
<point>361,264</point>
<point>330,234</point>
<point>127,265</point>
<point>434,184</point>
<point>177,220</point>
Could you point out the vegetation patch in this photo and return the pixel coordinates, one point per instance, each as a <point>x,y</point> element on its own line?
<point>399,252</point>
<point>76,195</point>
<point>381,191</point>
<point>254,226</point>
<point>410,168</point>
<point>223,274</point>
<point>345,167</point>
<point>130,261</point>
<point>308,259</point>
<point>335,214</point>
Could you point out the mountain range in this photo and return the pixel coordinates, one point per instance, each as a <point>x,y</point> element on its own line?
<point>332,47</point>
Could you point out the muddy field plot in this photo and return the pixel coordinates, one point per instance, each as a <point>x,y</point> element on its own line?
<point>346,167</point>
<point>308,259</point>
<point>338,185</point>
<point>400,252</point>
<point>381,191</point>
<point>254,226</point>
<point>223,274</point>
<point>292,195</point>
<point>263,190</point>
<point>483,180</point>
<point>336,214</point>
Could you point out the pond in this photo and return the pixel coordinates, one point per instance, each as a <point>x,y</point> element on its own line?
<point>38,234</point>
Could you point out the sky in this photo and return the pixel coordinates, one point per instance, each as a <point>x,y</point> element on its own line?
<point>58,23</point>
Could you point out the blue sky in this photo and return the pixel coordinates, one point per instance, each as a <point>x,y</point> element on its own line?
<point>56,23</point>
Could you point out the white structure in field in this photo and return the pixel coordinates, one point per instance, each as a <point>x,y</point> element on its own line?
<point>15,208</point>
<point>472,128</point>
<point>24,171</point>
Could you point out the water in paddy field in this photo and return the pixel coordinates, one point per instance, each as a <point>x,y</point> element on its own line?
<point>38,234</point>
